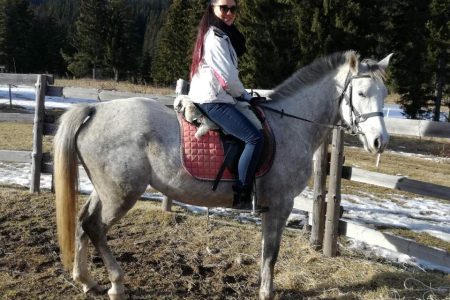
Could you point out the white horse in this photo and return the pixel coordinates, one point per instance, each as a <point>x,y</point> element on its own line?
<point>125,145</point>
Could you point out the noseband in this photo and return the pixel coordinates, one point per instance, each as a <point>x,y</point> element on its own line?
<point>353,128</point>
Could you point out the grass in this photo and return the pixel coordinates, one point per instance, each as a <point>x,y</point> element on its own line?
<point>165,256</point>
<point>17,136</point>
<point>116,86</point>
<point>422,238</point>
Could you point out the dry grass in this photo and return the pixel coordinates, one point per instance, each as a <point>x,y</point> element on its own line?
<point>116,86</point>
<point>17,136</point>
<point>430,170</point>
<point>422,238</point>
<point>164,256</point>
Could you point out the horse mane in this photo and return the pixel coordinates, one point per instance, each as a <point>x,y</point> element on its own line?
<point>371,67</point>
<point>310,73</point>
<point>321,67</point>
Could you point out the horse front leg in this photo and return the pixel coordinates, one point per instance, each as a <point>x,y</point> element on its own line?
<point>273,225</point>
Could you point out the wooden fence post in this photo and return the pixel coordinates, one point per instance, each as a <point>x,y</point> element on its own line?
<point>36,155</point>
<point>182,87</point>
<point>320,179</point>
<point>10,98</point>
<point>166,204</point>
<point>334,195</point>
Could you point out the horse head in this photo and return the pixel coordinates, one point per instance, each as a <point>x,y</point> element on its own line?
<point>362,101</point>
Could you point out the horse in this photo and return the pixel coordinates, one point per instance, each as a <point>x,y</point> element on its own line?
<point>127,144</point>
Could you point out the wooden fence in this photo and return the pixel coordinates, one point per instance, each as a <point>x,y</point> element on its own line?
<point>44,121</point>
<point>325,215</point>
<point>324,219</point>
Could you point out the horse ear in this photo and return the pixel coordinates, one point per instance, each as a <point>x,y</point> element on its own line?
<point>353,62</point>
<point>383,64</point>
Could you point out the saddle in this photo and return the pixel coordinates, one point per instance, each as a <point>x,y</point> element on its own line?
<point>215,155</point>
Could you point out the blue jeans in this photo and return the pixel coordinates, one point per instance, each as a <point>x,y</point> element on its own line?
<point>231,120</point>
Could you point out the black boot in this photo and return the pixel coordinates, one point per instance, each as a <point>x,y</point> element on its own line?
<point>242,200</point>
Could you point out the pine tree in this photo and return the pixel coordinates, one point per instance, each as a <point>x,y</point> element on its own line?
<point>405,27</point>
<point>89,40</point>
<point>46,40</point>
<point>154,21</point>
<point>15,34</point>
<point>270,35</point>
<point>118,54</point>
<point>3,32</point>
<point>171,59</point>
<point>438,29</point>
<point>328,26</point>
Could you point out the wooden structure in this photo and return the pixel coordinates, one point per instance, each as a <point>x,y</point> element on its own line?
<point>327,238</point>
<point>44,121</point>
<point>41,83</point>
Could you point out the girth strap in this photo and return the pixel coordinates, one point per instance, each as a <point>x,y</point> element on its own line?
<point>232,151</point>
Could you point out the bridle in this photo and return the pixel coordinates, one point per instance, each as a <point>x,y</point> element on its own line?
<point>352,128</point>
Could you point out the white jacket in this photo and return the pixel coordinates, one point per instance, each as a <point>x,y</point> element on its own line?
<point>217,79</point>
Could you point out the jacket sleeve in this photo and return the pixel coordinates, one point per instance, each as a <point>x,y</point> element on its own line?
<point>219,57</point>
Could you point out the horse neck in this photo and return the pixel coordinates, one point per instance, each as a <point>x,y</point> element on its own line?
<point>319,103</point>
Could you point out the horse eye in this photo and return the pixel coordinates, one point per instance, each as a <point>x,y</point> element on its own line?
<point>361,94</point>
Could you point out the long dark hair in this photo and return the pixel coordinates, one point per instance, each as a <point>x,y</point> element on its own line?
<point>203,27</point>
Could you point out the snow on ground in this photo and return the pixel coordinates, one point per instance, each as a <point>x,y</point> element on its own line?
<point>24,96</point>
<point>417,214</point>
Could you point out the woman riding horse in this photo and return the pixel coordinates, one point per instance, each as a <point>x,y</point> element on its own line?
<point>216,87</point>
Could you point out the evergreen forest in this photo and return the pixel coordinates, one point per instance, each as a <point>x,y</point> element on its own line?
<point>151,41</point>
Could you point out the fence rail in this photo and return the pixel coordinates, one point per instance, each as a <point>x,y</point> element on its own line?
<point>381,239</point>
<point>15,156</point>
<point>417,128</point>
<point>400,183</point>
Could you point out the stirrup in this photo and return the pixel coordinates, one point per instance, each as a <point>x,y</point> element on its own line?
<point>248,207</point>
<point>246,202</point>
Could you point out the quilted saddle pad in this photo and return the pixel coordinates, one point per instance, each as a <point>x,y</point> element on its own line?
<point>202,158</point>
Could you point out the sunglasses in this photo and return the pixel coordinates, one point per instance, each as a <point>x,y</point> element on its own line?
<point>225,8</point>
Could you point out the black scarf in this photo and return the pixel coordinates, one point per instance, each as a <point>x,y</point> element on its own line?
<point>236,37</point>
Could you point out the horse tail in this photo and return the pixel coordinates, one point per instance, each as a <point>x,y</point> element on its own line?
<point>66,178</point>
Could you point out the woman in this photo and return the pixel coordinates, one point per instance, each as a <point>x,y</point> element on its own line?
<point>216,87</point>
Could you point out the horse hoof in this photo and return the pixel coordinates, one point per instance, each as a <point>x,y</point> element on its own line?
<point>117,296</point>
<point>96,290</point>
<point>266,296</point>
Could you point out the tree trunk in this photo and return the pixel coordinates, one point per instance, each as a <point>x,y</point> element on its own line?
<point>116,74</point>
<point>440,82</point>
<point>93,72</point>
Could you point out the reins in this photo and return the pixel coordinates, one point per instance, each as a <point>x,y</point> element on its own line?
<point>282,113</point>
<point>353,128</point>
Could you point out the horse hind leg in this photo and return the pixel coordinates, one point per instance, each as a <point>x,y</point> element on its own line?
<point>80,266</point>
<point>108,209</point>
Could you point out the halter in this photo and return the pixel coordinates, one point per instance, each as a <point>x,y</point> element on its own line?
<point>353,128</point>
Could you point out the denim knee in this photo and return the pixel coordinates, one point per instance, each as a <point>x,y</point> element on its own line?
<point>257,138</point>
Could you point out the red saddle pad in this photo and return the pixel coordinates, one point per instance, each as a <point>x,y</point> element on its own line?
<point>203,157</point>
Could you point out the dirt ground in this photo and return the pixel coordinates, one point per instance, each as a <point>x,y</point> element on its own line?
<point>178,256</point>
